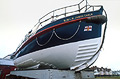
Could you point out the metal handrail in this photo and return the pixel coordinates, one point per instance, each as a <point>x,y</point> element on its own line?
<point>79,9</point>
<point>64,13</point>
<point>52,18</point>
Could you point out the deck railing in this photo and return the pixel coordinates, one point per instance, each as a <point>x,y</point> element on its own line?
<point>54,15</point>
<point>60,13</point>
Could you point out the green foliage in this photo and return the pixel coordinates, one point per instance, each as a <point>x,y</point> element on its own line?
<point>112,77</point>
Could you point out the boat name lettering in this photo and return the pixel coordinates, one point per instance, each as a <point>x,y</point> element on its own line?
<point>78,17</point>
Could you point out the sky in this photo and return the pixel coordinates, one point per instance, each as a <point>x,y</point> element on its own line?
<point>17,17</point>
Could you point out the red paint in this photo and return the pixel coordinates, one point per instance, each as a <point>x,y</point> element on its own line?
<point>5,70</point>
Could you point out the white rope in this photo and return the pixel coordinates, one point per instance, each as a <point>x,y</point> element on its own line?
<point>46,42</point>
<point>58,36</point>
<point>69,37</point>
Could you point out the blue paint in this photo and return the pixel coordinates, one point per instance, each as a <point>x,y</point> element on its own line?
<point>64,32</point>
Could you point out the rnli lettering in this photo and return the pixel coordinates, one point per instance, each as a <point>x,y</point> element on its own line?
<point>78,17</point>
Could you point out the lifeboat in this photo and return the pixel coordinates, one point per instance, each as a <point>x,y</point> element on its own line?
<point>69,39</point>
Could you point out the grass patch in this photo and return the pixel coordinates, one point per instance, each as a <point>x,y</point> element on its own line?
<point>112,77</point>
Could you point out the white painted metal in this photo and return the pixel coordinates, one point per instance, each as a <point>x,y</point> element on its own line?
<point>52,74</point>
<point>8,62</point>
<point>76,56</point>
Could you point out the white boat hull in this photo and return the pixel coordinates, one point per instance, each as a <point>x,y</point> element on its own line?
<point>75,55</point>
